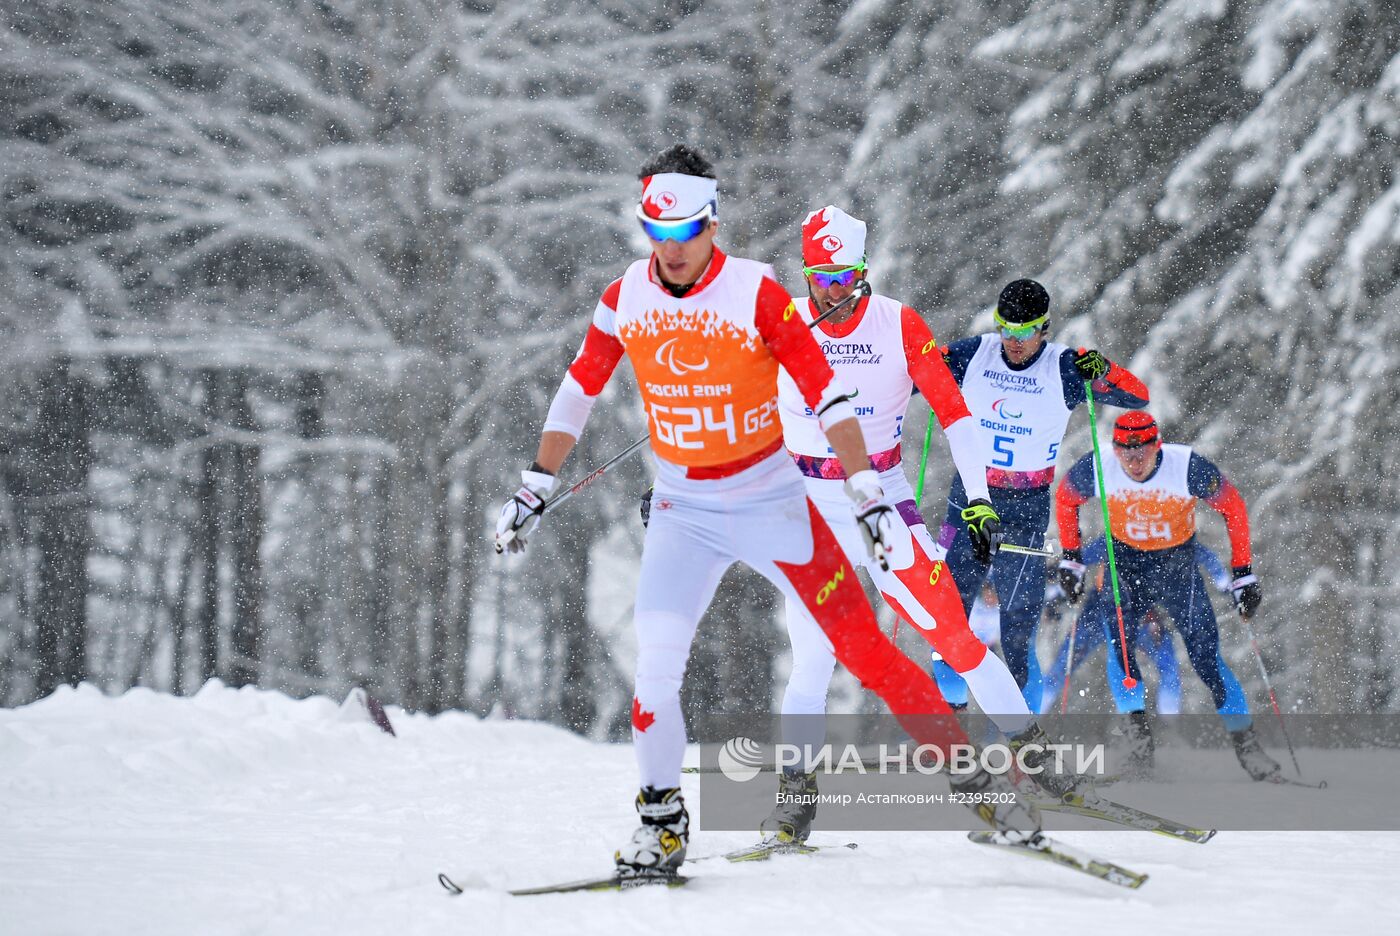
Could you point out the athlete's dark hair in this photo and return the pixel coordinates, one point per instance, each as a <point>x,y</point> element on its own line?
<point>1023,300</point>
<point>678,158</point>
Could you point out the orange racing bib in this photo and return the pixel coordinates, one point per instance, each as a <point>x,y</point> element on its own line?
<point>708,382</point>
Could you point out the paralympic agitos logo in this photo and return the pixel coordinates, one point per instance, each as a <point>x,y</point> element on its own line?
<point>666,356</point>
<point>1144,510</point>
<point>1002,412</point>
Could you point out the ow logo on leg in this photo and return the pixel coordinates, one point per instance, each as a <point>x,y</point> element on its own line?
<point>831,585</point>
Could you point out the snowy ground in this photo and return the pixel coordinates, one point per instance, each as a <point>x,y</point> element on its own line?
<point>246,812</point>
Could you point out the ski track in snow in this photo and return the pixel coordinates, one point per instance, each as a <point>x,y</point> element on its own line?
<point>247,812</point>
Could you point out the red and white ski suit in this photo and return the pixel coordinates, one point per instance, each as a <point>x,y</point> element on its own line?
<point>880,354</point>
<point>706,365</point>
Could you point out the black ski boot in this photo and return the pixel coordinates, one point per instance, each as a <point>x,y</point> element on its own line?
<point>1142,750</point>
<point>996,802</point>
<point>1063,784</point>
<point>658,847</point>
<point>790,822</point>
<point>1256,763</point>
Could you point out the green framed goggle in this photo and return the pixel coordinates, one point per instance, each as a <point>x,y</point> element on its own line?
<point>825,279</point>
<point>1018,330</point>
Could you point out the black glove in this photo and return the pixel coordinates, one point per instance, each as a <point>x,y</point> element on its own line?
<point>983,528</point>
<point>1245,591</point>
<point>1071,573</point>
<point>646,507</point>
<point>1092,365</point>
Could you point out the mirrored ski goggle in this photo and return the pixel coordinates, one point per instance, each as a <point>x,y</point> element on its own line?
<point>825,279</point>
<point>685,229</point>
<point>1018,330</point>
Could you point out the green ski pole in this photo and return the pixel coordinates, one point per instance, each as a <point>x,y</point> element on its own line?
<point>1128,681</point>
<point>919,491</point>
<point>923,464</point>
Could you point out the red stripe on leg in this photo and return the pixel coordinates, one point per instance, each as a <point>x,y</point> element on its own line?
<point>827,586</point>
<point>958,646</point>
<point>931,584</point>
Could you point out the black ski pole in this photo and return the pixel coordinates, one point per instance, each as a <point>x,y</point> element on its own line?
<point>1273,700</point>
<point>593,476</point>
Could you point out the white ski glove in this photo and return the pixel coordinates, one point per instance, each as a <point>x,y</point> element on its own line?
<point>874,516</point>
<point>521,514</point>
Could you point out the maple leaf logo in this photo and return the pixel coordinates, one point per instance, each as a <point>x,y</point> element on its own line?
<point>641,719</point>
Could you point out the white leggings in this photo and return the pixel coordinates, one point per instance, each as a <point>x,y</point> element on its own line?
<point>760,517</point>
<point>920,588</point>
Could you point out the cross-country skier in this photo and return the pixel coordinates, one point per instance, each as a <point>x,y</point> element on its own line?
<point>1021,389</point>
<point>706,333</point>
<point>1152,489</point>
<point>1154,639</point>
<point>880,350</point>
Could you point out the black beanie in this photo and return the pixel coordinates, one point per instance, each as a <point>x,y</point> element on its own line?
<point>1023,300</point>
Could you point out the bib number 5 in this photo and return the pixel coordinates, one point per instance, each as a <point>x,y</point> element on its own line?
<point>1002,446</point>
